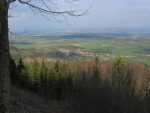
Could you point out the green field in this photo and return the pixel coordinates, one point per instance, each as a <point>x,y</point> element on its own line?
<point>96,43</point>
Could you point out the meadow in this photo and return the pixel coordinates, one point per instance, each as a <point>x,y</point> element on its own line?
<point>130,46</point>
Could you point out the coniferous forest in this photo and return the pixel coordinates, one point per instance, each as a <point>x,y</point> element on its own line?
<point>87,86</point>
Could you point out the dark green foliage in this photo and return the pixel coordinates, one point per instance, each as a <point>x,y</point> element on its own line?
<point>69,85</point>
<point>20,65</point>
<point>96,71</point>
<point>86,94</point>
<point>43,79</point>
<point>13,71</point>
<point>57,66</point>
<point>18,74</point>
<point>121,87</point>
<point>23,78</point>
<point>120,77</point>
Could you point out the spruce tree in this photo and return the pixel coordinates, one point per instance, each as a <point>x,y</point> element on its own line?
<point>120,77</point>
<point>96,71</point>
<point>13,72</point>
<point>20,71</point>
<point>23,78</point>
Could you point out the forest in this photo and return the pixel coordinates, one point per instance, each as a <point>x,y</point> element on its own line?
<point>92,86</point>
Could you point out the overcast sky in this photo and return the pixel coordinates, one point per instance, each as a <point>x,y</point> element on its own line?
<point>102,14</point>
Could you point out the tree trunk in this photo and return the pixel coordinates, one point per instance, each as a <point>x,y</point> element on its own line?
<point>4,59</point>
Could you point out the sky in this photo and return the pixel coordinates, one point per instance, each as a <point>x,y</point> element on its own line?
<point>102,14</point>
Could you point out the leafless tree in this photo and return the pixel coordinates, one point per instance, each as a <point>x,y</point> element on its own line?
<point>47,9</point>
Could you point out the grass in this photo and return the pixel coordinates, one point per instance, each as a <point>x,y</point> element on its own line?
<point>113,44</point>
<point>120,46</point>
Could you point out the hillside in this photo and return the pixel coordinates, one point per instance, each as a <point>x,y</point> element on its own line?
<point>25,101</point>
<point>57,86</point>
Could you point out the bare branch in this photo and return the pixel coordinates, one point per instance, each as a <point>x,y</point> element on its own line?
<point>48,11</point>
<point>50,1</point>
<point>11,1</point>
<point>71,1</point>
<point>17,34</point>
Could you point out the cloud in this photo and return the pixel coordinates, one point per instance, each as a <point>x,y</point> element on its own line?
<point>104,13</point>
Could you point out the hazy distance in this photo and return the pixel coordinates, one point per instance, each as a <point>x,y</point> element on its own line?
<point>104,16</point>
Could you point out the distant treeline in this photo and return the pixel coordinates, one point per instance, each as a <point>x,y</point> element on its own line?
<point>90,86</point>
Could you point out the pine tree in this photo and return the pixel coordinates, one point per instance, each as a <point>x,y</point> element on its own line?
<point>57,66</point>
<point>23,79</point>
<point>20,65</point>
<point>96,71</point>
<point>35,73</point>
<point>42,83</point>
<point>50,83</point>
<point>20,71</point>
<point>69,84</point>
<point>120,77</point>
<point>13,72</point>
